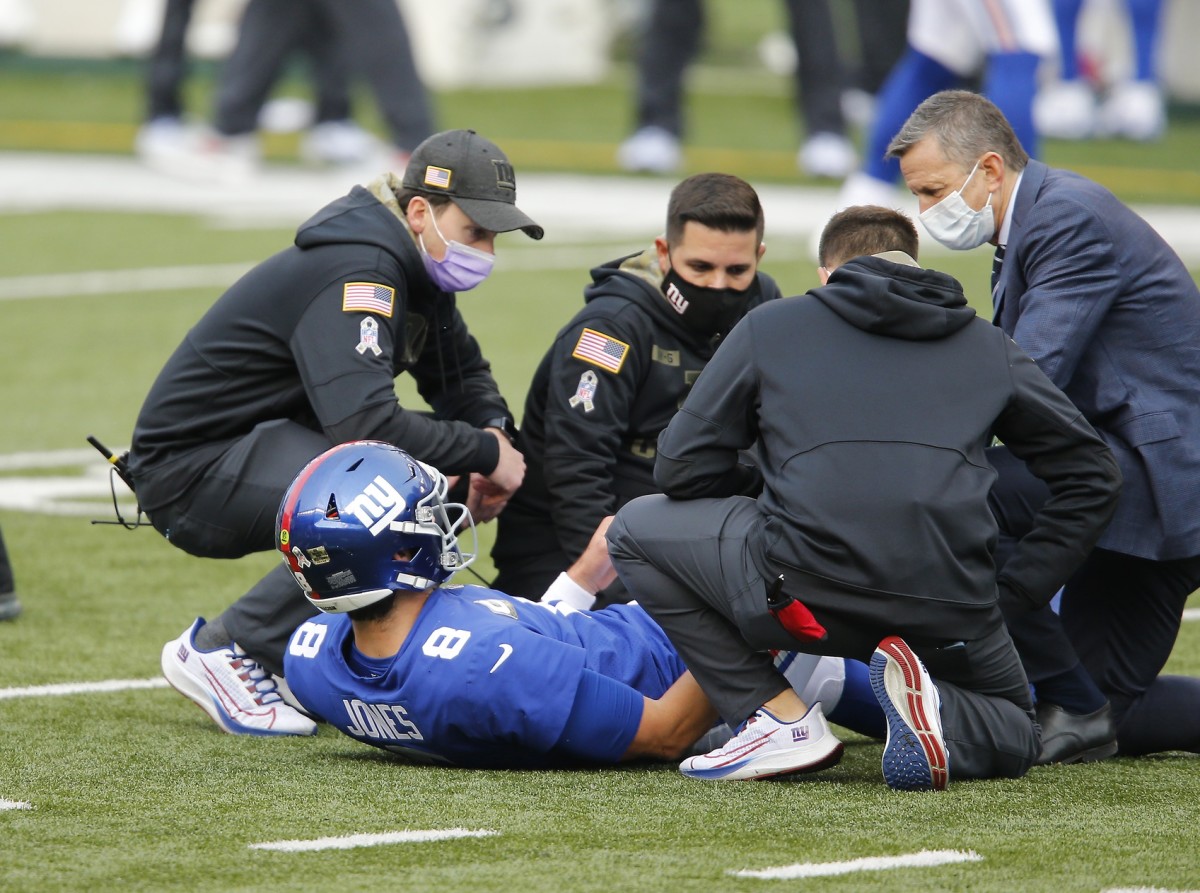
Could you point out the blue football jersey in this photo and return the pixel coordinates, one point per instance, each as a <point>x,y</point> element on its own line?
<point>483,679</point>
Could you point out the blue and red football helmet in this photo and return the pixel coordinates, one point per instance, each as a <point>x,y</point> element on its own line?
<point>365,519</point>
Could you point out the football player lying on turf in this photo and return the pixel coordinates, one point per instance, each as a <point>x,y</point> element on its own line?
<point>466,675</point>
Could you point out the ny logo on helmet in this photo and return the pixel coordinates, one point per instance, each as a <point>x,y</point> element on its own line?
<point>377,506</point>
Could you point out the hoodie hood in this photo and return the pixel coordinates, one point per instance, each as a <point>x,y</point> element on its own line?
<point>368,215</point>
<point>897,300</point>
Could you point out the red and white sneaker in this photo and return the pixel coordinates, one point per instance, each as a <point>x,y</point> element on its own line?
<point>764,747</point>
<point>915,757</point>
<point>231,687</point>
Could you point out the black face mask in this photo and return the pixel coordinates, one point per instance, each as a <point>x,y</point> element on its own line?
<point>707,311</point>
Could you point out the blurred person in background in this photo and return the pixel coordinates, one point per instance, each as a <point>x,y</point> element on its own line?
<point>879,25</point>
<point>10,605</point>
<point>1003,42</point>
<point>670,40</point>
<point>1133,108</point>
<point>367,38</point>
<point>165,140</point>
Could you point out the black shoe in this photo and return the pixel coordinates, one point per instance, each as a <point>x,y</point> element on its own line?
<point>10,607</point>
<point>1074,738</point>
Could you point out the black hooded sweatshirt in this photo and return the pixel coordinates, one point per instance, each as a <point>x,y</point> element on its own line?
<point>280,344</point>
<point>589,430</point>
<point>873,399</point>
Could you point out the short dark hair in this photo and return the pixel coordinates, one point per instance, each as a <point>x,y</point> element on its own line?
<point>966,126</point>
<point>435,199</point>
<point>866,229</point>
<point>718,201</point>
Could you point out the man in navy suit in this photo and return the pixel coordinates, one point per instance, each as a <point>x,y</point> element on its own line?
<point>1111,315</point>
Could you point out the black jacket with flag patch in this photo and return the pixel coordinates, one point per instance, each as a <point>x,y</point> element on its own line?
<point>317,334</point>
<point>610,382</point>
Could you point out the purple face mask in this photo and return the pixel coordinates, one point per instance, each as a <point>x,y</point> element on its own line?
<point>461,269</point>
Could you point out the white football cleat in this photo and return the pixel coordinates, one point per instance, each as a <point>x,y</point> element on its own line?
<point>765,747</point>
<point>1134,110</point>
<point>338,142</point>
<point>827,155</point>
<point>652,150</point>
<point>1065,110</point>
<point>231,687</point>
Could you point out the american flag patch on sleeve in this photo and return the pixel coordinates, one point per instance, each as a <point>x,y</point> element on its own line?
<point>600,350</point>
<point>368,297</point>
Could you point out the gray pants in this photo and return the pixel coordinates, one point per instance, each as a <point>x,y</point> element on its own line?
<point>690,565</point>
<point>367,35</point>
<point>671,38</point>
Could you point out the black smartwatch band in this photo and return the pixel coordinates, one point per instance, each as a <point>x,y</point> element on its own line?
<point>506,425</point>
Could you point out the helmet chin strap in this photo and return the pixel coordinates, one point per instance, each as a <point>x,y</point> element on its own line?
<point>416,583</point>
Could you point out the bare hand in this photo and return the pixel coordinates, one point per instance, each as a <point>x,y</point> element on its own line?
<point>489,493</point>
<point>509,472</point>
<point>593,570</point>
<point>485,500</point>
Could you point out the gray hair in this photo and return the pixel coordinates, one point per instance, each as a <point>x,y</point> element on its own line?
<point>966,126</point>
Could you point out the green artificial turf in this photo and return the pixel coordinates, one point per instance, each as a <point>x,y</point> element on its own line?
<point>137,790</point>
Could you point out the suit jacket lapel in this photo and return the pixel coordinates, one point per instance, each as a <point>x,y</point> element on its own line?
<point>1031,184</point>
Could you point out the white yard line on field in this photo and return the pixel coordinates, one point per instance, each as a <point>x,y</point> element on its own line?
<point>114,282</point>
<point>352,841</point>
<point>80,688</point>
<point>923,859</point>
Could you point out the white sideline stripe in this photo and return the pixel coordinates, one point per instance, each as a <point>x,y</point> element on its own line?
<point>107,282</point>
<point>111,282</point>
<point>923,859</point>
<point>352,841</point>
<point>1191,614</point>
<point>15,804</point>
<point>80,688</point>
<point>52,458</point>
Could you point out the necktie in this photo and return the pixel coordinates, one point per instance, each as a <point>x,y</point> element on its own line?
<point>997,263</point>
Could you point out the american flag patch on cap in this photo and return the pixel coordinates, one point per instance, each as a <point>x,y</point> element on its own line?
<point>369,297</point>
<point>438,176</point>
<point>600,350</point>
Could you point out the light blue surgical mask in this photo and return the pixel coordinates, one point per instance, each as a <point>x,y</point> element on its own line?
<point>956,224</point>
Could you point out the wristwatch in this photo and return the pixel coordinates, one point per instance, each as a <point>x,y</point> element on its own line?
<point>505,424</point>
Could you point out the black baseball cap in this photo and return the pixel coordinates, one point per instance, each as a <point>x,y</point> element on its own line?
<point>475,174</point>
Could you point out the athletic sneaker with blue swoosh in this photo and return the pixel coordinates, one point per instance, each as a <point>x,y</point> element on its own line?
<point>765,747</point>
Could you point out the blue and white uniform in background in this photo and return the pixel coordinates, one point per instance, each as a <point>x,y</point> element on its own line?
<point>949,41</point>
<point>488,680</point>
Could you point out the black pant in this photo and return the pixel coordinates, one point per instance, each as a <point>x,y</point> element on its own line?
<point>1119,616</point>
<point>231,512</point>
<point>691,565</point>
<point>168,63</point>
<point>369,35</point>
<point>270,33</point>
<point>671,39</point>
<point>6,574</point>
